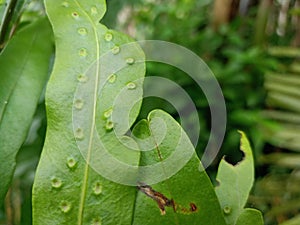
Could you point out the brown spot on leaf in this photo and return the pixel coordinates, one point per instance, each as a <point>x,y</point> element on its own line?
<point>162,201</point>
<point>193,207</point>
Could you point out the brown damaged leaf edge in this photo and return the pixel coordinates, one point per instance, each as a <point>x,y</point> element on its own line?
<point>163,201</point>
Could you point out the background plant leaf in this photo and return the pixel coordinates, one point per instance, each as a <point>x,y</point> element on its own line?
<point>24,72</point>
<point>294,221</point>
<point>235,183</point>
<point>250,217</point>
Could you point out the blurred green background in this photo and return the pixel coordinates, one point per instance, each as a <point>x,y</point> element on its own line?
<point>252,47</point>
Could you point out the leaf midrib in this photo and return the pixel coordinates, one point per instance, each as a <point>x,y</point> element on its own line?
<point>88,157</point>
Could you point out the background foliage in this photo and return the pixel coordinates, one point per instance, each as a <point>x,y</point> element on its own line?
<point>253,49</point>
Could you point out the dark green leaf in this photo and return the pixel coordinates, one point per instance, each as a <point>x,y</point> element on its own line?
<point>190,185</point>
<point>24,67</point>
